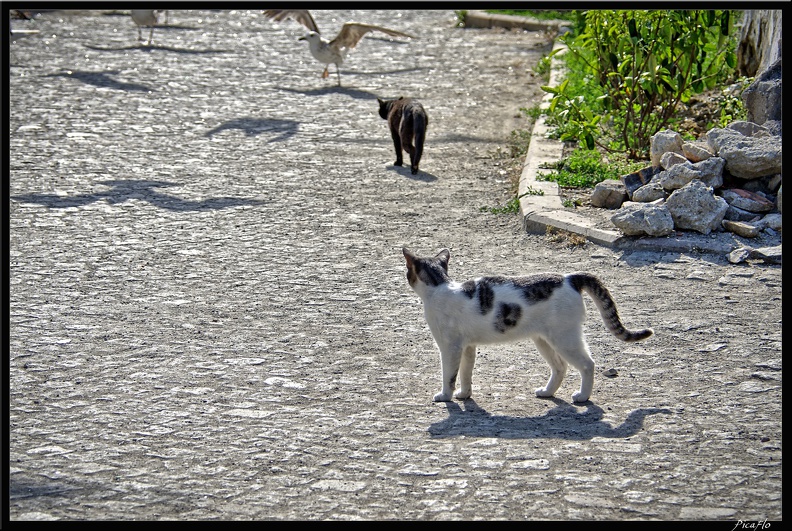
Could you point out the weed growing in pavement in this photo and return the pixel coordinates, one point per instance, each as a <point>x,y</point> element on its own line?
<point>460,15</point>
<point>513,205</point>
<point>542,68</point>
<point>532,112</point>
<point>518,143</point>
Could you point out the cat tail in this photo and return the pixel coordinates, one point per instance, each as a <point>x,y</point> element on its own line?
<point>606,306</point>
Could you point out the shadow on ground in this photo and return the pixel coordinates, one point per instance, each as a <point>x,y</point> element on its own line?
<point>345,91</point>
<point>284,129</point>
<point>562,422</point>
<point>155,48</point>
<point>102,80</point>
<point>124,189</point>
<point>420,176</point>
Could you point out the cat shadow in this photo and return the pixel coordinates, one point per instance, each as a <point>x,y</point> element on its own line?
<point>124,189</point>
<point>420,176</point>
<point>564,421</point>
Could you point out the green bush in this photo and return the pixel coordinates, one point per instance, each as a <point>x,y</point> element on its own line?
<point>629,69</point>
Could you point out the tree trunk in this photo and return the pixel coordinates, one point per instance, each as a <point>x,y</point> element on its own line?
<point>760,41</point>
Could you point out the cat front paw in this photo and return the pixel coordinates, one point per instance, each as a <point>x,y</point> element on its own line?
<point>577,396</point>
<point>542,392</point>
<point>398,163</point>
<point>462,395</point>
<point>442,397</point>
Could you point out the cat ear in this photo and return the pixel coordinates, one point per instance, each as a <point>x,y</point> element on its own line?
<point>444,256</point>
<point>409,256</point>
<point>380,101</point>
<point>401,97</point>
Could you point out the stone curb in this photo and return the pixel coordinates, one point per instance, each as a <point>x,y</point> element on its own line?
<point>542,211</point>
<point>481,19</point>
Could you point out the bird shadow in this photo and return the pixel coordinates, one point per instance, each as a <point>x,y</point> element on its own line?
<point>383,72</point>
<point>102,79</point>
<point>284,129</point>
<point>148,48</point>
<point>346,91</point>
<point>124,189</point>
<point>562,422</point>
<point>420,176</point>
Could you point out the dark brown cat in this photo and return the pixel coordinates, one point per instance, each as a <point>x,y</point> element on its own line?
<point>407,120</point>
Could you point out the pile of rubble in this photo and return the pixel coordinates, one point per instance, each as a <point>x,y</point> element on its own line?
<point>729,181</point>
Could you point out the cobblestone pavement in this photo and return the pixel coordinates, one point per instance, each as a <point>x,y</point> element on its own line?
<point>209,317</point>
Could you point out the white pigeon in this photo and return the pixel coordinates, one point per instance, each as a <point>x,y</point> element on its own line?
<point>145,17</point>
<point>334,51</point>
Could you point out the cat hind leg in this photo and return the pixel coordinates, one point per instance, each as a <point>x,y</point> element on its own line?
<point>558,368</point>
<point>575,352</point>
<point>406,134</point>
<point>419,133</point>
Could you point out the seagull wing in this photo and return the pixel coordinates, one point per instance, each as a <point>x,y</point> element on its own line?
<point>303,16</point>
<point>352,32</point>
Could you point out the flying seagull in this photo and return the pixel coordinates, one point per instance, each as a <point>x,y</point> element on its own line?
<point>334,51</point>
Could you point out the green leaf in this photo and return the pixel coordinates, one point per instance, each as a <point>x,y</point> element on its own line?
<point>652,65</point>
<point>551,90</point>
<point>632,29</point>
<point>698,86</point>
<point>725,22</point>
<point>731,60</point>
<point>589,140</point>
<point>614,61</point>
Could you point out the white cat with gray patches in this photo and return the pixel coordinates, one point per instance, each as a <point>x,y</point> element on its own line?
<point>548,308</point>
